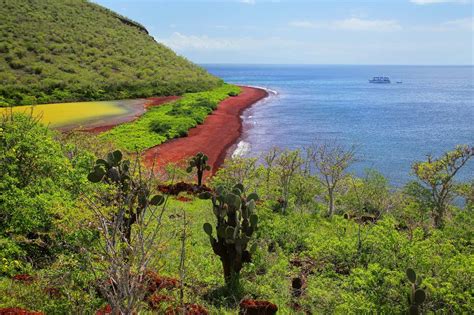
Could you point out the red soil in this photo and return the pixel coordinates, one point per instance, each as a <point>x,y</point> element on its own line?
<point>150,102</point>
<point>214,137</point>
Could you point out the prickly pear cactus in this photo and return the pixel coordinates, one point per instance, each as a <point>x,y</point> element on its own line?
<point>417,295</point>
<point>112,169</point>
<point>199,161</point>
<point>236,223</point>
<point>133,195</point>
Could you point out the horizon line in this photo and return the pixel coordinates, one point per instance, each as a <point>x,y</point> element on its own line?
<point>331,64</point>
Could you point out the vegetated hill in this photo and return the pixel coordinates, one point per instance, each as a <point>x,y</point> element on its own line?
<point>65,50</point>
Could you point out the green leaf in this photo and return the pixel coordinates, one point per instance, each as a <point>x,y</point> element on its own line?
<point>411,275</point>
<point>157,200</point>
<point>420,296</point>
<point>189,169</point>
<point>94,177</point>
<point>102,162</point>
<point>253,196</point>
<point>240,187</point>
<point>207,228</point>
<point>117,156</point>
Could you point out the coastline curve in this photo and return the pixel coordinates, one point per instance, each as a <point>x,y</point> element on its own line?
<point>220,131</point>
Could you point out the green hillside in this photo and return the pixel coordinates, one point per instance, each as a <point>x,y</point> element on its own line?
<point>70,50</point>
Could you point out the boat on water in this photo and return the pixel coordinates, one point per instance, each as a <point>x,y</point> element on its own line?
<point>380,80</point>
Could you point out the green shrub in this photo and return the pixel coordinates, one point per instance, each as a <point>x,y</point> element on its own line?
<point>161,127</point>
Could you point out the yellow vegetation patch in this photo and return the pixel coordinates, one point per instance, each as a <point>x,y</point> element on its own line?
<point>63,114</point>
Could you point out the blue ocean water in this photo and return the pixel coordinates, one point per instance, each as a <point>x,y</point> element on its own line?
<point>392,125</point>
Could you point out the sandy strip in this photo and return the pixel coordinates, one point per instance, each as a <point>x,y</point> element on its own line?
<point>214,137</point>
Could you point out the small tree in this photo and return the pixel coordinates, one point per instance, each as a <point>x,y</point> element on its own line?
<point>236,223</point>
<point>199,161</point>
<point>129,219</point>
<point>331,160</point>
<point>438,176</point>
<point>289,165</point>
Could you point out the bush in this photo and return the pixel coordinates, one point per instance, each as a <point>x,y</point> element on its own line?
<point>161,127</point>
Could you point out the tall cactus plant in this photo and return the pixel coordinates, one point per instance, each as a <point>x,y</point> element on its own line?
<point>417,295</point>
<point>236,223</point>
<point>199,161</point>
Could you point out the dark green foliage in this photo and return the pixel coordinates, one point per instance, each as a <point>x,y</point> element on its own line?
<point>161,127</point>
<point>132,196</point>
<point>417,295</point>
<point>233,94</point>
<point>236,223</point>
<point>199,162</point>
<point>75,50</point>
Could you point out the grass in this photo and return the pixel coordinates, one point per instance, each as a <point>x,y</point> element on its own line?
<point>62,114</point>
<point>169,120</point>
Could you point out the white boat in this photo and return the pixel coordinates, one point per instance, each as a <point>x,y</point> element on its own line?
<point>380,80</point>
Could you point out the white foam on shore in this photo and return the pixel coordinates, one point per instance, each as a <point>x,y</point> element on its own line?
<point>270,91</point>
<point>242,149</point>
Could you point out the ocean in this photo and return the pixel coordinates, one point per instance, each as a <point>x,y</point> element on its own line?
<point>391,125</point>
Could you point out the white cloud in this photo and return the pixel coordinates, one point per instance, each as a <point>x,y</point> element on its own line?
<point>203,43</point>
<point>180,41</point>
<point>459,24</point>
<point>351,24</point>
<point>247,1</point>
<point>423,2</point>
<point>466,24</point>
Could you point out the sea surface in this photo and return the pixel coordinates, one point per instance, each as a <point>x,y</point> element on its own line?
<point>391,125</point>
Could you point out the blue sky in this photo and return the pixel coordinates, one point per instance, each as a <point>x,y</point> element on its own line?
<point>309,32</point>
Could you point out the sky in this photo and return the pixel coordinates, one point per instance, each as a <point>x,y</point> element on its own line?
<point>420,32</point>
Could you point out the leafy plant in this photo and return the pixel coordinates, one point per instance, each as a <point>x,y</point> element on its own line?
<point>438,176</point>
<point>236,223</point>
<point>199,162</point>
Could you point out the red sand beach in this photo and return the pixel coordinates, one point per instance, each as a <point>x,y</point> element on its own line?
<point>214,137</point>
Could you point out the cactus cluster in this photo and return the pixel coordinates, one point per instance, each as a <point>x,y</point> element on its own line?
<point>417,295</point>
<point>199,161</point>
<point>133,195</point>
<point>236,223</point>
<point>112,170</point>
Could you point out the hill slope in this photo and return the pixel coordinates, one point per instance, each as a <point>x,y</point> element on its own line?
<point>69,50</point>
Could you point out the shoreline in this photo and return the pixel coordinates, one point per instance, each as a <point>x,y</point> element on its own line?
<point>215,136</point>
